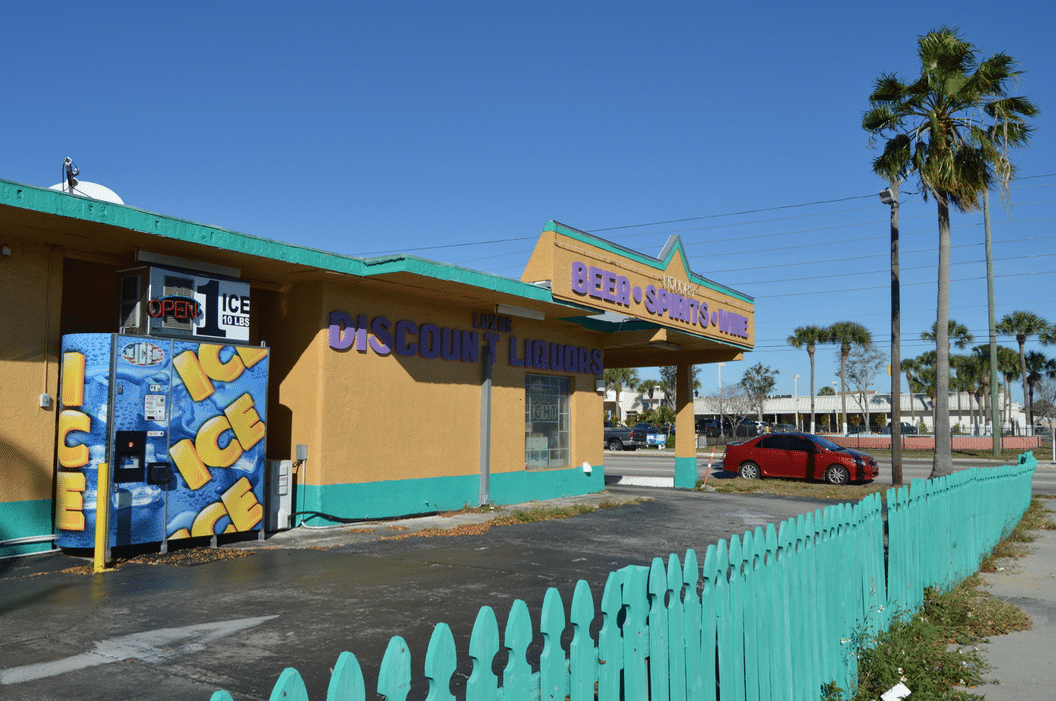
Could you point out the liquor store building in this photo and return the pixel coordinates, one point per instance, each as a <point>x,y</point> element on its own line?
<point>393,385</point>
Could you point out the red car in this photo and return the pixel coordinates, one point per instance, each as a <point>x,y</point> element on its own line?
<point>801,455</point>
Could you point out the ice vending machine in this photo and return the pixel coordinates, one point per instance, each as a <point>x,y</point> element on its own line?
<point>182,425</point>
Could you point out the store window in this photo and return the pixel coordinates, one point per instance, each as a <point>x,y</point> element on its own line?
<point>547,433</point>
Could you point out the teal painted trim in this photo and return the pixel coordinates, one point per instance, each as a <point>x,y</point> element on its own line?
<point>26,519</point>
<point>594,323</point>
<point>634,324</point>
<point>657,263</point>
<point>371,500</point>
<point>532,485</point>
<point>453,273</point>
<point>60,204</point>
<point>686,474</point>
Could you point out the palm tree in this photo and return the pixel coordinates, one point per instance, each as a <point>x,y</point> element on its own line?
<point>847,334</point>
<point>618,378</point>
<point>909,366</point>
<point>970,370</point>
<point>986,379</point>
<point>923,379</point>
<point>1038,366</point>
<point>649,387</point>
<point>1008,366</point>
<point>952,128</point>
<point>1023,324</point>
<point>809,337</point>
<point>961,381</point>
<point>959,336</point>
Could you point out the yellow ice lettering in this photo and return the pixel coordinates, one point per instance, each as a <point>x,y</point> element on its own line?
<point>194,472</point>
<point>72,455</point>
<point>72,379</point>
<point>251,355</point>
<point>207,444</point>
<point>207,518</point>
<point>245,421</point>
<point>193,375</point>
<point>69,501</point>
<point>209,358</point>
<point>242,505</point>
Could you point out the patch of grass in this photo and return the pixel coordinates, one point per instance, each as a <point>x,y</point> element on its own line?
<point>1036,518</point>
<point>467,509</point>
<point>934,651</point>
<point>610,504</point>
<point>542,513</point>
<point>794,488</point>
<point>968,614</point>
<point>914,651</point>
<point>533,515</point>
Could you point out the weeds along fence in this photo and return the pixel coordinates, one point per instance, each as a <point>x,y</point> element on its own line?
<point>771,614</point>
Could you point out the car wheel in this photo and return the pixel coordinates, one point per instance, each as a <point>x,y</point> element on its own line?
<point>837,474</point>
<point>615,444</point>
<point>750,471</point>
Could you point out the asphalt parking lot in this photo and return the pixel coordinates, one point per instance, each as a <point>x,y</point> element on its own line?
<point>235,621</point>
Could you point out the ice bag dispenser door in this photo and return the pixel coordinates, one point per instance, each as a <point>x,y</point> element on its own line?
<point>129,459</point>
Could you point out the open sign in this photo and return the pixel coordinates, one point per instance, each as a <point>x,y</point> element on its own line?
<point>174,307</point>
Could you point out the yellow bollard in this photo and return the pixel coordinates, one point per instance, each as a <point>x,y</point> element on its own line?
<point>102,516</point>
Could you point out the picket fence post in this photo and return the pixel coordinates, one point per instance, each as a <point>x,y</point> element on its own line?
<point>582,655</point>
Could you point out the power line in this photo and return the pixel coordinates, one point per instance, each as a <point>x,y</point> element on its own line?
<point>733,214</point>
<point>490,242</point>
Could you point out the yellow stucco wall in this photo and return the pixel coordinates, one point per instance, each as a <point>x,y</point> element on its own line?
<point>369,417</point>
<point>30,290</point>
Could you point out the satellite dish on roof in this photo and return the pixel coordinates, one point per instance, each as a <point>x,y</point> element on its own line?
<point>93,191</point>
<point>71,185</point>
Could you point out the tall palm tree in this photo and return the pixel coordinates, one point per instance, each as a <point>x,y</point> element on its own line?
<point>1038,366</point>
<point>952,128</point>
<point>809,337</point>
<point>1021,325</point>
<point>847,334</point>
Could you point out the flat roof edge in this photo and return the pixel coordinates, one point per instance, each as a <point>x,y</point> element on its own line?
<point>123,216</point>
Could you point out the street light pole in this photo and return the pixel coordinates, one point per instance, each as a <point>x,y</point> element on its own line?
<point>889,196</point>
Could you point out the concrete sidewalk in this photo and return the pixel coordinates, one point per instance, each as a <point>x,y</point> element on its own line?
<point>1022,662</point>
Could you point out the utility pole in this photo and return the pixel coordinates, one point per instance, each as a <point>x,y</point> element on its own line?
<point>889,196</point>
<point>995,409</point>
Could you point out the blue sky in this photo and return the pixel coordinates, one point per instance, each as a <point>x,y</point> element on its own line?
<point>456,130</point>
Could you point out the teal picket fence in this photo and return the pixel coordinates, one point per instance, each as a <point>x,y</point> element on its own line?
<point>771,614</point>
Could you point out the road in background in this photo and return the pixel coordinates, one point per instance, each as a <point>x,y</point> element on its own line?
<point>656,468</point>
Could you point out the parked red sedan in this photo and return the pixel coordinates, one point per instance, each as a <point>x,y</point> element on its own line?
<point>801,455</point>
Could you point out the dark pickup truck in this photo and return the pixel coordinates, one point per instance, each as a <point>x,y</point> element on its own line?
<point>624,438</point>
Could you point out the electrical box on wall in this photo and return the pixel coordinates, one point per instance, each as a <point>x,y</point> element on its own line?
<point>157,301</point>
<point>280,495</point>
